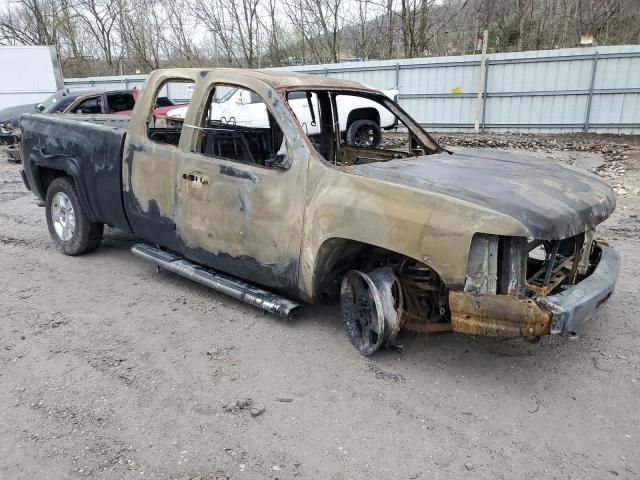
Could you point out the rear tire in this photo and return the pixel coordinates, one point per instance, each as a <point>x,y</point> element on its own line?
<point>364,133</point>
<point>69,225</point>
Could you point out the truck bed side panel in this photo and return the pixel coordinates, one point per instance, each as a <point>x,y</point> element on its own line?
<point>90,153</point>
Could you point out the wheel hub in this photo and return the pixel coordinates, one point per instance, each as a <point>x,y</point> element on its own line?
<point>364,137</point>
<point>371,308</point>
<point>63,216</point>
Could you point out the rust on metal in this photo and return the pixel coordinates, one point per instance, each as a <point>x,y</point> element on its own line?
<point>560,273</point>
<point>427,327</point>
<point>497,315</point>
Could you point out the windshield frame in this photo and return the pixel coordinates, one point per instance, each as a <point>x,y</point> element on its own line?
<point>413,127</point>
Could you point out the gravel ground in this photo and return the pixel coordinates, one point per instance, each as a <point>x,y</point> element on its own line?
<point>109,370</point>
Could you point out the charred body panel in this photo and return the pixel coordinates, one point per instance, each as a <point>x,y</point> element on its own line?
<point>149,172</point>
<point>558,204</point>
<point>91,154</point>
<point>247,215</point>
<point>149,192</point>
<point>280,276</point>
<point>433,229</point>
<point>230,216</point>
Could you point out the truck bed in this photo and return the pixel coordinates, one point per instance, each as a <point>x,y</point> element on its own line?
<point>85,149</point>
<point>106,119</point>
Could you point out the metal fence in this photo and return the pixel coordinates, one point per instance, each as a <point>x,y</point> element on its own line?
<point>565,90</point>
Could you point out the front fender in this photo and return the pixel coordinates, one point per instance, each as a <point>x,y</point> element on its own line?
<point>430,228</point>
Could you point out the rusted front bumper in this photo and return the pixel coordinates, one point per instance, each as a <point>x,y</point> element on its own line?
<point>509,316</point>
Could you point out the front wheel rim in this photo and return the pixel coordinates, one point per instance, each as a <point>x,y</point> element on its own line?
<point>63,216</point>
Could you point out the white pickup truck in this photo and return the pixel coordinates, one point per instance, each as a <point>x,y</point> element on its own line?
<point>361,120</point>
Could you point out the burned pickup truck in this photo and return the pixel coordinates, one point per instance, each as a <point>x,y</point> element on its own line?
<point>278,209</point>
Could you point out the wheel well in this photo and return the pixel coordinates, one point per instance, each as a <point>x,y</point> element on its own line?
<point>334,258</point>
<point>337,256</point>
<point>48,175</point>
<point>362,114</point>
<point>425,296</point>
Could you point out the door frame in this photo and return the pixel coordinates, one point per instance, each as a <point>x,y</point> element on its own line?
<point>148,170</point>
<point>274,259</point>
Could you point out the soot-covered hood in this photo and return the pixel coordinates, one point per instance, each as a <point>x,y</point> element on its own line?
<point>551,200</point>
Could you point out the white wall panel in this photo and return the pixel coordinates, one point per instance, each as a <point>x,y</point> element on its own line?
<point>29,74</point>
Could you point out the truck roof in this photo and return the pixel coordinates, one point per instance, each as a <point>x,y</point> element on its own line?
<point>284,79</point>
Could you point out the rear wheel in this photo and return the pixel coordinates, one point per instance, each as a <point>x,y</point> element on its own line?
<point>364,133</point>
<point>69,225</point>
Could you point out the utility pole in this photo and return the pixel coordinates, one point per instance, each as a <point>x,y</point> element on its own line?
<point>483,71</point>
<point>215,49</point>
<point>258,42</point>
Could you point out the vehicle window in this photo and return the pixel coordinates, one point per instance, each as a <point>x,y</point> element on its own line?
<point>241,129</point>
<point>119,102</point>
<point>89,106</point>
<point>366,123</point>
<point>296,95</point>
<point>370,132</point>
<point>313,111</point>
<point>176,91</point>
<point>351,128</point>
<point>164,102</point>
<point>62,104</point>
<point>253,98</point>
<point>224,94</point>
<point>166,126</point>
<point>48,105</point>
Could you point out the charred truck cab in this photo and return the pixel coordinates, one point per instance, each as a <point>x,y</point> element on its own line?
<point>305,187</point>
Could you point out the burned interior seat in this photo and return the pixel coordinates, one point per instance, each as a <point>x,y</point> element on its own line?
<point>226,143</point>
<point>242,144</point>
<point>170,136</point>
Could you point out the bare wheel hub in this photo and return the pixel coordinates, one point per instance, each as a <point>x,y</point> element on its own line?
<point>365,136</point>
<point>63,216</point>
<point>371,308</point>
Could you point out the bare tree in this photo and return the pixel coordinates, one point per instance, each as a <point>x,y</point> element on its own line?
<point>100,18</point>
<point>178,42</point>
<point>30,22</point>
<point>319,23</point>
<point>104,36</point>
<point>234,23</point>
<point>140,29</point>
<point>414,16</point>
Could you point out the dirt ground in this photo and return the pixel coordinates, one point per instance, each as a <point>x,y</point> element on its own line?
<point>109,370</point>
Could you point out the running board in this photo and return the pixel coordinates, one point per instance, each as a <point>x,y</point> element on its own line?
<point>235,288</point>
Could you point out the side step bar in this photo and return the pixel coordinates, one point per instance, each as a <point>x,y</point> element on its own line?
<point>235,288</point>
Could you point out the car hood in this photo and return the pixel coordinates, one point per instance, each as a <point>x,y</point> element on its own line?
<point>177,112</point>
<point>551,200</point>
<point>12,114</point>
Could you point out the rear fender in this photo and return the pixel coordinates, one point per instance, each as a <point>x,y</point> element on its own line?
<point>363,113</point>
<point>39,160</point>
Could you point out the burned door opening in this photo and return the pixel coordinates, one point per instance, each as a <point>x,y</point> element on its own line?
<point>236,190</point>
